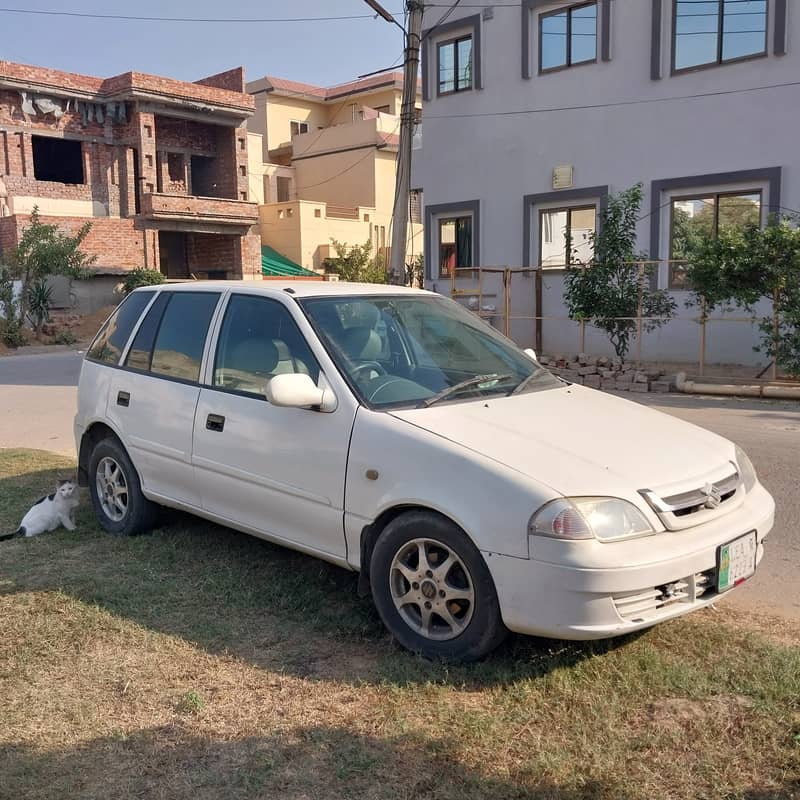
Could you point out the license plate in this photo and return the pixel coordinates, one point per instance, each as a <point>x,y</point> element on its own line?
<point>736,561</point>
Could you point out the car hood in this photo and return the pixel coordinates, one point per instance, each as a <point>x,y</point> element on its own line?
<point>578,441</point>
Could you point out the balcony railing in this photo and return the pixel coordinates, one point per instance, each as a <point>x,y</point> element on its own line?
<point>206,209</point>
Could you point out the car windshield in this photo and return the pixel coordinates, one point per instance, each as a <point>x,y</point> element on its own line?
<point>398,350</point>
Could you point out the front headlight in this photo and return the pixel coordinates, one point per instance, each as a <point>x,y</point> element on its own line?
<point>604,518</point>
<point>746,469</point>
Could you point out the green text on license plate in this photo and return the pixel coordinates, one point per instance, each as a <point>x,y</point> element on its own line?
<point>736,561</point>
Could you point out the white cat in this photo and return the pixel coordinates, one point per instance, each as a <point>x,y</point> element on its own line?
<point>49,512</point>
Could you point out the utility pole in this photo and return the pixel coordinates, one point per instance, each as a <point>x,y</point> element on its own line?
<point>397,259</point>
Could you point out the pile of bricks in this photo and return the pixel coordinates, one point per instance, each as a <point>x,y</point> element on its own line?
<point>607,373</point>
<point>60,320</point>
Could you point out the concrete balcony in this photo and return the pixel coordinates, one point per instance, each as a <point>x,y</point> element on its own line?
<point>181,208</point>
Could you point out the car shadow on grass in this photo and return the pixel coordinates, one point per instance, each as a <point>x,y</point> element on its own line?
<point>230,593</point>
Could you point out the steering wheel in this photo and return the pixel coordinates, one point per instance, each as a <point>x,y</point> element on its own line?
<point>358,369</point>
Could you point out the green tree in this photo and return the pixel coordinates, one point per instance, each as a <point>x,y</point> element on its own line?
<point>45,250</point>
<point>356,263</point>
<point>607,291</point>
<point>743,266</point>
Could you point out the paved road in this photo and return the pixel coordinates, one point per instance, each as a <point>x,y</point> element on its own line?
<point>37,400</point>
<point>769,432</point>
<point>37,403</point>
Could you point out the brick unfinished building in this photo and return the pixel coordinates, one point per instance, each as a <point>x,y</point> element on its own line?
<point>158,166</point>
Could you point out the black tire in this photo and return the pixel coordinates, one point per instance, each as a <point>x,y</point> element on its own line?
<point>477,630</point>
<point>140,514</point>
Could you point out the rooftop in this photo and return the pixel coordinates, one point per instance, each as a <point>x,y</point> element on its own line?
<point>224,91</point>
<point>270,83</point>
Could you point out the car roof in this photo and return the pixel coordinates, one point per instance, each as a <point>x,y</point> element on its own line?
<point>272,288</point>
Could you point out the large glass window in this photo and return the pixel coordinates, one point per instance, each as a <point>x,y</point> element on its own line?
<point>702,217</point>
<point>455,244</point>
<point>565,236</point>
<point>259,339</point>
<point>181,336</point>
<point>113,336</point>
<point>568,37</point>
<point>715,31</point>
<point>416,350</point>
<point>455,65</point>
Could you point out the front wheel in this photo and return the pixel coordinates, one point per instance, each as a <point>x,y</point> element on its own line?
<point>117,497</point>
<point>433,590</point>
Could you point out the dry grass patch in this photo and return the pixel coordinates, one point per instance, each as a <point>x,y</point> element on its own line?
<point>200,663</point>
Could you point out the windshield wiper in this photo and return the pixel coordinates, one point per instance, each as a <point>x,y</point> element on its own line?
<point>525,382</point>
<point>451,390</point>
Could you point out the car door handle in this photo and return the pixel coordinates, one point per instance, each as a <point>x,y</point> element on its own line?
<point>123,399</point>
<point>215,422</point>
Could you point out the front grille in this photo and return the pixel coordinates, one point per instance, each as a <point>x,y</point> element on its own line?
<point>649,604</point>
<point>683,509</point>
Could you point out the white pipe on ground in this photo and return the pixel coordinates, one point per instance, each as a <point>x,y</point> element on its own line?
<point>735,390</point>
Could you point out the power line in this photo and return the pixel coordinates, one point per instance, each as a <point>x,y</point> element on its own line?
<point>371,149</point>
<point>442,19</point>
<point>611,105</point>
<point>214,20</point>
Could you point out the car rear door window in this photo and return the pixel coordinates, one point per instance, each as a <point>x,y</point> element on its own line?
<point>110,342</point>
<point>181,336</point>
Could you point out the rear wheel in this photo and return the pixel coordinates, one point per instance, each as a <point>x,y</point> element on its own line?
<point>117,497</point>
<point>433,590</point>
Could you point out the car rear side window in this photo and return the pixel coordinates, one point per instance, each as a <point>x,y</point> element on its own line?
<point>110,341</point>
<point>181,335</point>
<point>141,351</point>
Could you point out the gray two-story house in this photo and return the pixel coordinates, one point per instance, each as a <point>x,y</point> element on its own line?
<point>535,111</point>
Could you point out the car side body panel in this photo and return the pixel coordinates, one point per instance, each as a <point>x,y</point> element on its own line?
<point>490,502</point>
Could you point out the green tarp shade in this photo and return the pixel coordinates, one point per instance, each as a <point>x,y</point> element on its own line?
<point>273,264</point>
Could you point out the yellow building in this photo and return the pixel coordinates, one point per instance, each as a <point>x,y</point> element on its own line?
<point>322,166</point>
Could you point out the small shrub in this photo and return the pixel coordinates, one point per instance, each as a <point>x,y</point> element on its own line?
<point>40,296</point>
<point>141,277</point>
<point>11,333</point>
<point>191,703</point>
<point>64,336</point>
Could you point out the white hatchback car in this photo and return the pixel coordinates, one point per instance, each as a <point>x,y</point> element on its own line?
<point>391,431</point>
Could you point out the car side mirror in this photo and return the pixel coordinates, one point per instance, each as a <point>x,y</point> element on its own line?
<point>297,390</point>
<point>530,352</point>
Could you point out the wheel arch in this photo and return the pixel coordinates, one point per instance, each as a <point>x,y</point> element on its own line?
<point>95,433</point>
<point>371,532</point>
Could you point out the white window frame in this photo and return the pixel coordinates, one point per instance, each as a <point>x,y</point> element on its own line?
<point>299,124</point>
<point>437,244</point>
<point>535,210</point>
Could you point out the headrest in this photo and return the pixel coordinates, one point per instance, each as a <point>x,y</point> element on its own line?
<point>253,355</point>
<point>362,343</point>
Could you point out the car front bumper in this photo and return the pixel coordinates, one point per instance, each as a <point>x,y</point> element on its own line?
<point>644,581</point>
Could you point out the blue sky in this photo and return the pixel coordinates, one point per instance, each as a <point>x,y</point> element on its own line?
<point>323,53</point>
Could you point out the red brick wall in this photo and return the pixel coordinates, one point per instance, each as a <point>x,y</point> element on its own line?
<point>207,251</point>
<point>117,243</point>
<point>209,90</point>
<point>184,134</point>
<point>233,80</point>
<point>8,236</point>
<point>250,254</point>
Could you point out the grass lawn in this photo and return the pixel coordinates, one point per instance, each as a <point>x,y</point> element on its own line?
<point>199,663</point>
